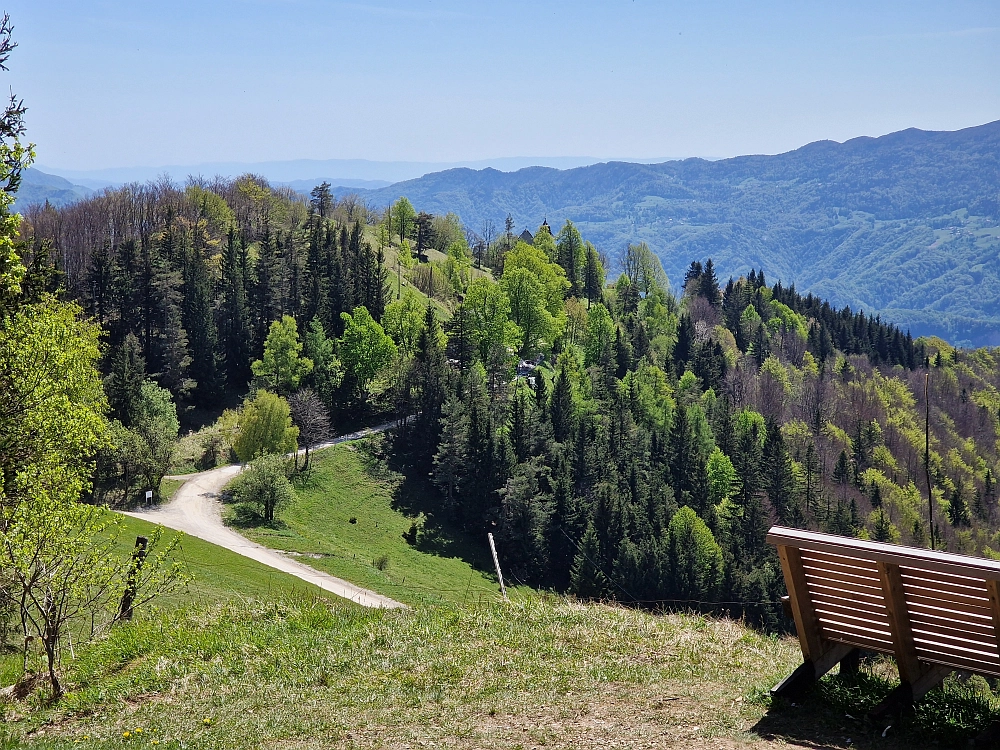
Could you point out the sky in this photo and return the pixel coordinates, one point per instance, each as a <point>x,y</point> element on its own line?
<point>121,83</point>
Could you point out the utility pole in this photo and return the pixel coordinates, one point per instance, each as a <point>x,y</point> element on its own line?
<point>927,454</point>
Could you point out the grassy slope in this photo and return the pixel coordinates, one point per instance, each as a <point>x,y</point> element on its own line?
<point>541,671</point>
<point>318,523</point>
<point>537,672</point>
<point>219,575</point>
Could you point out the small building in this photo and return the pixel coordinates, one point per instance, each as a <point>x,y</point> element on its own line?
<point>526,237</point>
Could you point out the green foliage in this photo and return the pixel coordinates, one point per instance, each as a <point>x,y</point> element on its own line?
<point>326,373</point>
<point>51,404</point>
<point>365,348</point>
<point>403,321</point>
<point>264,427</point>
<point>528,309</point>
<point>721,477</point>
<point>264,484</point>
<point>155,426</point>
<point>696,567</point>
<point>403,216</point>
<point>549,274</point>
<point>491,330</point>
<point>600,336</point>
<point>914,252</point>
<point>283,367</point>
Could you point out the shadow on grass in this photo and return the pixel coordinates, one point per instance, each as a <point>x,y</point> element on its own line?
<point>834,714</point>
<point>415,497</point>
<point>245,516</point>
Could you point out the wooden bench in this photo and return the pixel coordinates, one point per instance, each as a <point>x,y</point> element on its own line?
<point>934,612</point>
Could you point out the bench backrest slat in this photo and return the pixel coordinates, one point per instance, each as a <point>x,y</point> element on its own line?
<point>942,562</point>
<point>918,605</point>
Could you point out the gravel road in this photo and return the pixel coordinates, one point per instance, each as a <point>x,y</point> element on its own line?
<point>196,510</point>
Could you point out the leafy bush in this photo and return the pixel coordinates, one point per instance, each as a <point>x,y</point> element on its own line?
<point>264,485</point>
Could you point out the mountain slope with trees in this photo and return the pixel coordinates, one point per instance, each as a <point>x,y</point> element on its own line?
<point>905,225</point>
<point>619,440</point>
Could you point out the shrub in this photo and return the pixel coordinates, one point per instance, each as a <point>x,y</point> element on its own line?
<point>264,484</point>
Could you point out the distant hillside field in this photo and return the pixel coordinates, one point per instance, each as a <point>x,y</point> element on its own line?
<point>905,225</point>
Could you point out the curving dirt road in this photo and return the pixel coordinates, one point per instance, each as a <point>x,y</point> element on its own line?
<point>196,510</point>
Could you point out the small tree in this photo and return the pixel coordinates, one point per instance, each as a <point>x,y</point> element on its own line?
<point>265,485</point>
<point>157,427</point>
<point>67,568</point>
<point>425,233</point>
<point>695,557</point>
<point>312,419</point>
<point>326,373</point>
<point>282,365</point>
<point>265,427</point>
<point>365,348</point>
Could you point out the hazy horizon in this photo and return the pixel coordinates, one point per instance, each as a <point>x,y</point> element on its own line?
<point>122,85</point>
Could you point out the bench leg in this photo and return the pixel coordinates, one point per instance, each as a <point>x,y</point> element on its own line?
<point>850,664</point>
<point>902,697</point>
<point>809,671</point>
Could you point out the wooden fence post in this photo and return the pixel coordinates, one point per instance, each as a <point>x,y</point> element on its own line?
<point>132,582</point>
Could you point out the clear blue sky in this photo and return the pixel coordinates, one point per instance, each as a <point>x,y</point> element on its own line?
<point>114,83</point>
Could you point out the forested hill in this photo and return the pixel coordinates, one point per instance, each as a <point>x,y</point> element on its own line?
<point>905,225</point>
<point>617,439</point>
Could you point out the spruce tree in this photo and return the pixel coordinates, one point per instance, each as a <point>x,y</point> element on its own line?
<point>431,374</point>
<point>266,301</point>
<point>685,343</point>
<point>199,321</point>
<point>708,285</point>
<point>749,535</point>
<point>593,275</point>
<point>779,478</point>
<point>570,255</point>
<point>586,578</point>
<point>561,406</point>
<point>958,508</point>
<point>123,384</point>
<point>233,326</point>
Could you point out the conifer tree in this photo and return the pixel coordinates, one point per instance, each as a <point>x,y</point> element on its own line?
<point>958,508</point>
<point>778,475</point>
<point>430,369</point>
<point>564,531</point>
<point>593,275</point>
<point>570,255</point>
<point>586,579</point>
<point>685,343</point>
<point>266,302</point>
<point>234,324</point>
<point>708,285</point>
<point>199,321</point>
<point>450,462</point>
<point>753,523</point>
<point>692,278</point>
<point>561,410</point>
<point>123,384</point>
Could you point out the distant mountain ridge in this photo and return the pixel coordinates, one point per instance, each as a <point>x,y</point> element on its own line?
<point>905,224</point>
<point>38,187</point>
<point>346,172</point>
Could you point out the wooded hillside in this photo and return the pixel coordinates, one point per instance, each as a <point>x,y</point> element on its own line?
<point>904,225</point>
<point>619,441</point>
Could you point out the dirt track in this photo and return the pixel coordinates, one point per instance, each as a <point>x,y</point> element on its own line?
<point>196,510</point>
